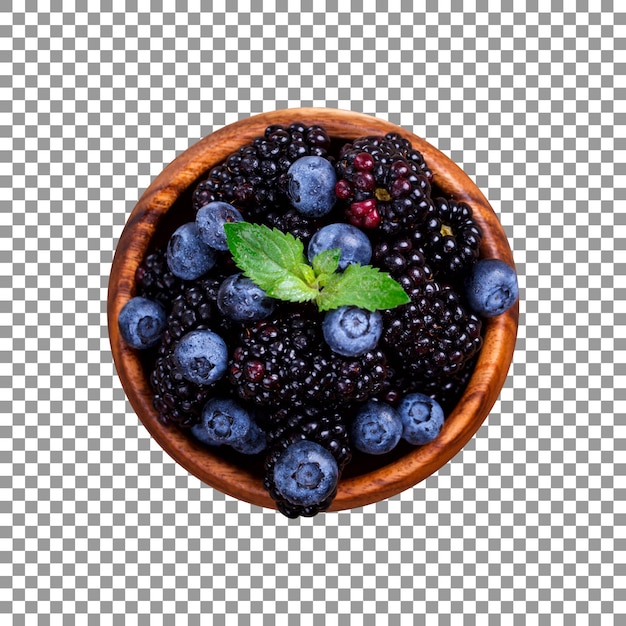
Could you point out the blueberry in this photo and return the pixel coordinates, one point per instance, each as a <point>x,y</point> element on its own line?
<point>306,473</point>
<point>188,257</point>
<point>210,220</point>
<point>200,432</point>
<point>422,418</point>
<point>376,428</point>
<point>253,443</point>
<point>491,288</point>
<point>201,357</point>
<point>311,185</point>
<point>351,331</point>
<point>142,322</point>
<point>240,299</point>
<point>226,421</point>
<point>354,244</point>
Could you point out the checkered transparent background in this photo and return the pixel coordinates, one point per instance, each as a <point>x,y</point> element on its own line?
<point>525,526</point>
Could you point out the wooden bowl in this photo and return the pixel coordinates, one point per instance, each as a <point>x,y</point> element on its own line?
<point>166,203</point>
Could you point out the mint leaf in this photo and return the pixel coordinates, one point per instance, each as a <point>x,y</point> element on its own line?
<point>272,260</point>
<point>308,274</point>
<point>363,286</point>
<point>275,262</point>
<point>326,262</point>
<point>290,288</point>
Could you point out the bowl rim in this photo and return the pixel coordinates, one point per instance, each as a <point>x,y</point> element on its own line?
<point>462,423</point>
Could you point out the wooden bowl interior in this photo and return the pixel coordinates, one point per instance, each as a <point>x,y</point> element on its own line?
<point>167,203</point>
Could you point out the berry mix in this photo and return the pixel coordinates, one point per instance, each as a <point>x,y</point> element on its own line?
<point>324,302</point>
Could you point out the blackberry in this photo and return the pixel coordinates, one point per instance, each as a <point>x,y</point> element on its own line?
<point>156,282</point>
<point>434,336</point>
<point>176,399</point>
<point>357,379</point>
<point>283,360</point>
<point>254,178</point>
<point>280,359</point>
<point>291,221</point>
<point>404,146</point>
<point>448,393</point>
<point>196,309</point>
<point>443,246</point>
<point>453,244</point>
<point>383,184</point>
<point>323,426</point>
<point>404,259</point>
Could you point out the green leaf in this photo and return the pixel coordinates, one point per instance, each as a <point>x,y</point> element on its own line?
<point>275,262</point>
<point>363,286</point>
<point>272,260</point>
<point>326,262</point>
<point>309,275</point>
<point>290,288</point>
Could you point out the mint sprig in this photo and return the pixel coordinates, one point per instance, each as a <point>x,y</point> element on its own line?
<point>272,260</point>
<point>363,286</point>
<point>275,262</point>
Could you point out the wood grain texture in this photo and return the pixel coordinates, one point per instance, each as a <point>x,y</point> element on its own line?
<point>222,473</point>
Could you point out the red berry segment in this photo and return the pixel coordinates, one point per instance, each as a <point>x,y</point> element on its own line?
<point>364,181</point>
<point>254,371</point>
<point>363,214</point>
<point>363,161</point>
<point>343,189</point>
<point>400,187</point>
